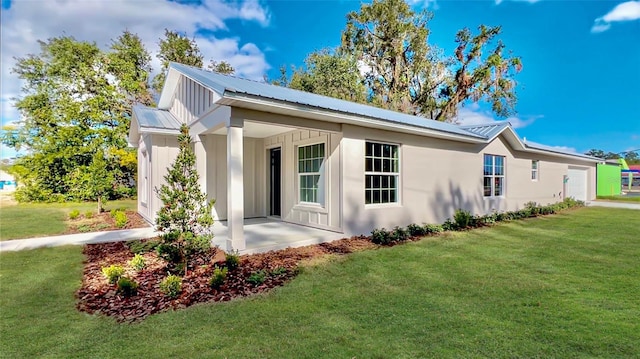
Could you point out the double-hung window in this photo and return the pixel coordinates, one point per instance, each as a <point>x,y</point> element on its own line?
<point>493,176</point>
<point>534,170</point>
<point>382,174</point>
<point>311,173</point>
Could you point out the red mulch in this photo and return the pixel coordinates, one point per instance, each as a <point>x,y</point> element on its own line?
<point>97,296</point>
<point>105,222</point>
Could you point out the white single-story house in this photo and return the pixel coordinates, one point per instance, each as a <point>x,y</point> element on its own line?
<point>269,151</point>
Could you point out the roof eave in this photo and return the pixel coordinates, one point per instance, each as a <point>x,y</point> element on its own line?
<point>231,98</point>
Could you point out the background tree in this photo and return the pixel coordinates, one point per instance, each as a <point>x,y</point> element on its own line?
<point>93,182</point>
<point>479,78</point>
<point>221,67</point>
<point>330,73</point>
<point>176,47</point>
<point>632,157</point>
<point>185,217</point>
<point>76,103</point>
<point>601,154</point>
<point>385,52</point>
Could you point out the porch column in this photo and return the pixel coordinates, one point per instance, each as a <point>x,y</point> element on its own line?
<point>235,186</point>
<point>201,161</point>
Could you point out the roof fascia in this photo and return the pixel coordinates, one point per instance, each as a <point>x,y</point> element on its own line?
<point>241,100</point>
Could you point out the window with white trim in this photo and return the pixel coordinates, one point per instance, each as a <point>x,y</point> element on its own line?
<point>311,173</point>
<point>493,176</point>
<point>535,170</point>
<point>382,174</point>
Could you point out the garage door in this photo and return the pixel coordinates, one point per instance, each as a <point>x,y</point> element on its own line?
<point>577,184</point>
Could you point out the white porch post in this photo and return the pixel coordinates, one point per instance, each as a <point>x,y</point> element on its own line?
<point>235,186</point>
<point>201,161</point>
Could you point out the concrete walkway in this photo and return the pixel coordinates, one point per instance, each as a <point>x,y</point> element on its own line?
<point>261,235</point>
<point>78,239</point>
<point>625,205</point>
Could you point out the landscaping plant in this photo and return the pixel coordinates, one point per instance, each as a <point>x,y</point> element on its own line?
<point>185,216</point>
<point>113,273</point>
<point>171,286</point>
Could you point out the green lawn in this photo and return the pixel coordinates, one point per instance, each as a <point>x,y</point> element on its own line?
<point>560,286</point>
<point>620,198</point>
<point>45,219</point>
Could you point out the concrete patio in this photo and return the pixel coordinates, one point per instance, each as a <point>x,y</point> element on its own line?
<point>261,234</point>
<point>265,234</point>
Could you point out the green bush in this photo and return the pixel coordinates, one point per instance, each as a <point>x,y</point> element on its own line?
<point>279,271</point>
<point>381,236</point>
<point>74,214</point>
<point>88,214</point>
<point>399,234</point>
<point>232,260</point>
<point>120,219</point>
<point>137,262</point>
<point>171,286</point>
<point>113,273</point>
<point>449,225</point>
<point>169,253</point>
<point>462,219</point>
<point>218,277</point>
<point>144,246</point>
<point>432,228</point>
<point>416,230</point>
<point>257,278</point>
<point>127,287</point>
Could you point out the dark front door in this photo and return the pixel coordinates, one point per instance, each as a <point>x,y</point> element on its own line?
<point>276,180</point>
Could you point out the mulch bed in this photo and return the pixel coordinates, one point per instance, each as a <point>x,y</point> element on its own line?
<point>105,222</point>
<point>97,296</point>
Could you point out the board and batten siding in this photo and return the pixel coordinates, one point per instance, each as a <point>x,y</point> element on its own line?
<point>190,100</point>
<point>254,173</point>
<point>327,216</point>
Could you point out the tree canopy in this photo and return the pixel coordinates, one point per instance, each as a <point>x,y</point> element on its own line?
<point>385,60</point>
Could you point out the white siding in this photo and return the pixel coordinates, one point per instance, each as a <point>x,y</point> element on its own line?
<point>190,101</point>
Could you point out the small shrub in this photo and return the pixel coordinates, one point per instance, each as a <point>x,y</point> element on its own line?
<point>416,230</point>
<point>139,247</point>
<point>137,262</point>
<point>169,253</point>
<point>120,219</point>
<point>381,236</point>
<point>74,214</point>
<point>218,277</point>
<point>279,271</point>
<point>399,234</point>
<point>127,287</point>
<point>432,228</point>
<point>84,228</point>
<point>88,214</point>
<point>113,273</point>
<point>449,225</point>
<point>171,286</point>
<point>462,219</point>
<point>257,278</point>
<point>232,260</point>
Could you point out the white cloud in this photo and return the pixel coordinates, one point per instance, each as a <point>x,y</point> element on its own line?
<point>473,115</point>
<point>433,4</point>
<point>626,11</point>
<point>26,22</point>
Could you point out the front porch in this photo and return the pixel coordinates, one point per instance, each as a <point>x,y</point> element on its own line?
<point>265,234</point>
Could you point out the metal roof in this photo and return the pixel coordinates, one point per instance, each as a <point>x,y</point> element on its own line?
<point>538,146</point>
<point>224,83</point>
<point>154,118</point>
<point>487,130</point>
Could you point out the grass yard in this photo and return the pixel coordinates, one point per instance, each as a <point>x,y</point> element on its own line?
<point>628,198</point>
<point>28,220</point>
<point>560,286</point>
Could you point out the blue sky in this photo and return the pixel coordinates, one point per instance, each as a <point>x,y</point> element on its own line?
<point>578,88</point>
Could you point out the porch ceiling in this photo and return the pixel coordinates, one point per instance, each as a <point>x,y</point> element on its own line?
<point>258,130</point>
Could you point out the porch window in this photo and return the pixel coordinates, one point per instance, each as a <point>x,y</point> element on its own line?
<point>311,173</point>
<point>493,176</point>
<point>381,173</point>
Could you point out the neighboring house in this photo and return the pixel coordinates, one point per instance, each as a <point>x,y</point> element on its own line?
<point>7,182</point>
<point>269,151</point>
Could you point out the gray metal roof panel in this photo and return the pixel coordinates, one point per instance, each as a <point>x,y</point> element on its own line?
<point>538,146</point>
<point>489,130</point>
<point>221,83</point>
<point>155,118</point>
